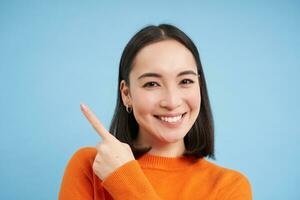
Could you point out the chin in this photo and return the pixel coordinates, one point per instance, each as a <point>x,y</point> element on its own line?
<point>173,138</point>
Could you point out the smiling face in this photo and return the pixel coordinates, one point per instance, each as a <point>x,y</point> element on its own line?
<point>164,93</point>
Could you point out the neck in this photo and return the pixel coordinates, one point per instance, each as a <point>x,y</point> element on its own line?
<point>168,150</point>
<point>175,149</point>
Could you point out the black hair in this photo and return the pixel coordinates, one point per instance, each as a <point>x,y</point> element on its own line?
<point>199,141</point>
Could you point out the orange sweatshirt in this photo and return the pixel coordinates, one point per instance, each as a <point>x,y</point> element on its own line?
<point>152,178</point>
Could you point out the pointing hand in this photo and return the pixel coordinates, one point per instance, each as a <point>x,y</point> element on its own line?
<point>111,153</point>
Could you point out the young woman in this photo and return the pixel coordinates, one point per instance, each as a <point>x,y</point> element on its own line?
<point>161,131</point>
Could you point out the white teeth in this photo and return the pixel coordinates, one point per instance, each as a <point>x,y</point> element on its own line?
<point>171,119</point>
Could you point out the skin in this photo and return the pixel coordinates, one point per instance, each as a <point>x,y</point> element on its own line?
<point>111,153</point>
<point>164,95</point>
<point>170,93</point>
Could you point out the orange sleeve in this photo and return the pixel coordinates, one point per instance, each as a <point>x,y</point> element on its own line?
<point>236,188</point>
<point>77,182</point>
<point>129,182</point>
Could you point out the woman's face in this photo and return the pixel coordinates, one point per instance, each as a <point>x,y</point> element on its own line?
<point>164,92</point>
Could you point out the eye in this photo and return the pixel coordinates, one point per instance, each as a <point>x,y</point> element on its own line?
<point>187,81</point>
<point>150,84</point>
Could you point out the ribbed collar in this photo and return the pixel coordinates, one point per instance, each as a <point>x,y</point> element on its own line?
<point>166,163</point>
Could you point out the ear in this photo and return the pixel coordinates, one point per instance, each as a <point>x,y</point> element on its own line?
<point>125,93</point>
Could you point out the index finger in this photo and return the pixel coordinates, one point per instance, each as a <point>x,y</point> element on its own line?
<point>102,132</point>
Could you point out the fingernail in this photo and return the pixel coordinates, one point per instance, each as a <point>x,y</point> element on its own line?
<point>83,107</point>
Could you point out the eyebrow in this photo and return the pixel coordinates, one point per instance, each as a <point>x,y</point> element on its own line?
<point>151,74</point>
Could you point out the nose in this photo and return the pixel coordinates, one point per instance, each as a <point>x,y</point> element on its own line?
<point>171,99</point>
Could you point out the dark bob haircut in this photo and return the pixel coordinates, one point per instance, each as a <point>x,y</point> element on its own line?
<point>199,141</point>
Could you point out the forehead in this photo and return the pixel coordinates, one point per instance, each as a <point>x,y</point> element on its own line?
<point>164,57</point>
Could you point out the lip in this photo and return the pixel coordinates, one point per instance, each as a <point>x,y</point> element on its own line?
<point>171,124</point>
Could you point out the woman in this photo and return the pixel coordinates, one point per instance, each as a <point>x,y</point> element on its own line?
<point>161,131</point>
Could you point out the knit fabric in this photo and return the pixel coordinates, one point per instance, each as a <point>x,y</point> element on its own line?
<point>152,177</point>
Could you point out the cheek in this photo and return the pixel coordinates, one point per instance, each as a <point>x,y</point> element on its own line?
<point>143,103</point>
<point>194,100</point>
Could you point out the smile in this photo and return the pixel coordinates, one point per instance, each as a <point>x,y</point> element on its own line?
<point>171,119</point>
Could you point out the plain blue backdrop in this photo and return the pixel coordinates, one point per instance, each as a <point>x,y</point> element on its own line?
<point>56,54</point>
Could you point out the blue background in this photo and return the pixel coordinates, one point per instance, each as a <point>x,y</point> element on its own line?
<point>56,54</point>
